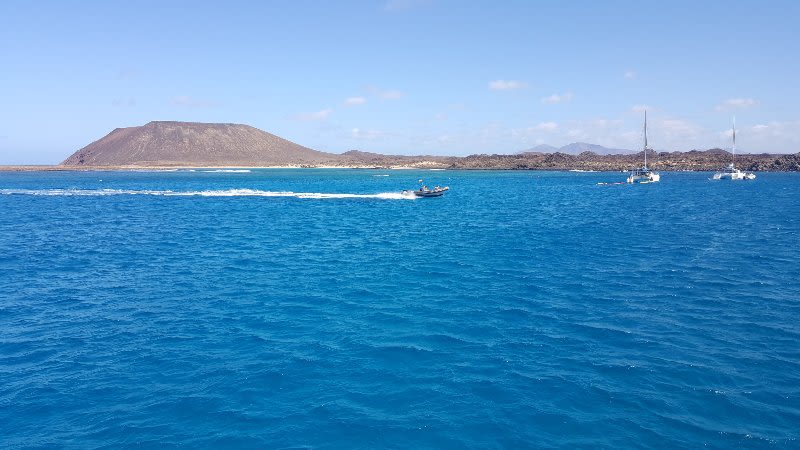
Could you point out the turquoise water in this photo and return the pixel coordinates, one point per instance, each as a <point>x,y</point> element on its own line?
<point>321,309</point>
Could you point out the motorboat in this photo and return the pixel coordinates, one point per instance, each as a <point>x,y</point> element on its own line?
<point>425,192</point>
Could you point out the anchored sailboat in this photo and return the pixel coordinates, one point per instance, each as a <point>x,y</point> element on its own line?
<point>644,175</point>
<point>732,173</point>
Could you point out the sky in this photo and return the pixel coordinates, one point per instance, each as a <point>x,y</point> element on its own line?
<point>435,77</point>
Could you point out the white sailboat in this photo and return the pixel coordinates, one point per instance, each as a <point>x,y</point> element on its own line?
<point>644,175</point>
<point>732,173</point>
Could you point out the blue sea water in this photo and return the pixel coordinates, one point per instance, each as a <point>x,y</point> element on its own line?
<point>321,309</point>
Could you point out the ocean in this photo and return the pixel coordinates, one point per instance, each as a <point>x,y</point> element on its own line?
<point>323,309</point>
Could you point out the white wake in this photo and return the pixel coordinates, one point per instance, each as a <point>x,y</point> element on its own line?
<point>207,193</point>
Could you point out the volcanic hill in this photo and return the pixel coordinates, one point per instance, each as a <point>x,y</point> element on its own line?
<point>195,144</point>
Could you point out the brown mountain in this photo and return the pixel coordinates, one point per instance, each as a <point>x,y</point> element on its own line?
<point>195,144</point>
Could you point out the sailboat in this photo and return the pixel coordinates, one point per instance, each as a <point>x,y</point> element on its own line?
<point>644,175</point>
<point>732,173</point>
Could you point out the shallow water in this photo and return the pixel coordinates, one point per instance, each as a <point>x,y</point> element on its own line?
<point>321,308</point>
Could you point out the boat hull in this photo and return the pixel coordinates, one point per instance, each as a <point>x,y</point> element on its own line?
<point>734,176</point>
<point>427,192</point>
<point>651,177</point>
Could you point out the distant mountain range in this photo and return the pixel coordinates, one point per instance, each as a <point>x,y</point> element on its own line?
<point>576,148</point>
<point>192,144</point>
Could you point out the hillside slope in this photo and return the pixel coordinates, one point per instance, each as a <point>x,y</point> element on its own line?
<point>195,144</point>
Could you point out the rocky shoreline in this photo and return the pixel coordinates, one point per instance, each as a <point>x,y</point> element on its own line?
<point>708,160</point>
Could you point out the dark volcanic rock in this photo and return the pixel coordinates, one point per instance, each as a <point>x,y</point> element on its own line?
<point>195,144</point>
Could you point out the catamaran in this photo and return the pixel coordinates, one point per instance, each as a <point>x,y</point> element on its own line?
<point>732,173</point>
<point>644,175</point>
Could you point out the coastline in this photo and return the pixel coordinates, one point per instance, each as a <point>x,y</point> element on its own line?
<point>695,161</point>
<point>59,168</point>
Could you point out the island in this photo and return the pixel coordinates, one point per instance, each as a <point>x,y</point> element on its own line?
<point>171,144</point>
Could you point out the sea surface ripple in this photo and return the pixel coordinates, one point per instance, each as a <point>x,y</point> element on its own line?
<point>322,309</point>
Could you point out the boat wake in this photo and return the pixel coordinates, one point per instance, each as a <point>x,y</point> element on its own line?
<point>210,193</point>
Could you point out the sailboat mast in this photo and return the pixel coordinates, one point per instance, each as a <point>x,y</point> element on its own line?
<point>733,157</point>
<point>645,139</point>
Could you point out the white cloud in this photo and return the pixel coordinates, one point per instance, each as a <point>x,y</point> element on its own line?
<point>775,129</point>
<point>546,126</point>
<point>556,98</point>
<point>608,132</point>
<point>385,94</point>
<point>526,134</point>
<point>736,103</point>
<point>677,128</point>
<point>391,95</point>
<point>631,136</point>
<point>665,133</point>
<point>357,133</point>
<point>576,133</point>
<point>506,85</point>
<point>605,123</point>
<point>352,101</point>
<point>727,135</point>
<point>316,115</point>
<point>629,75</point>
<point>770,137</point>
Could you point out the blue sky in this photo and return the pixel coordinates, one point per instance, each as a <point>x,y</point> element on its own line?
<point>403,76</point>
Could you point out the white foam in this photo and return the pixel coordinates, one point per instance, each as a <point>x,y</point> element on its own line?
<point>227,171</point>
<point>208,193</point>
